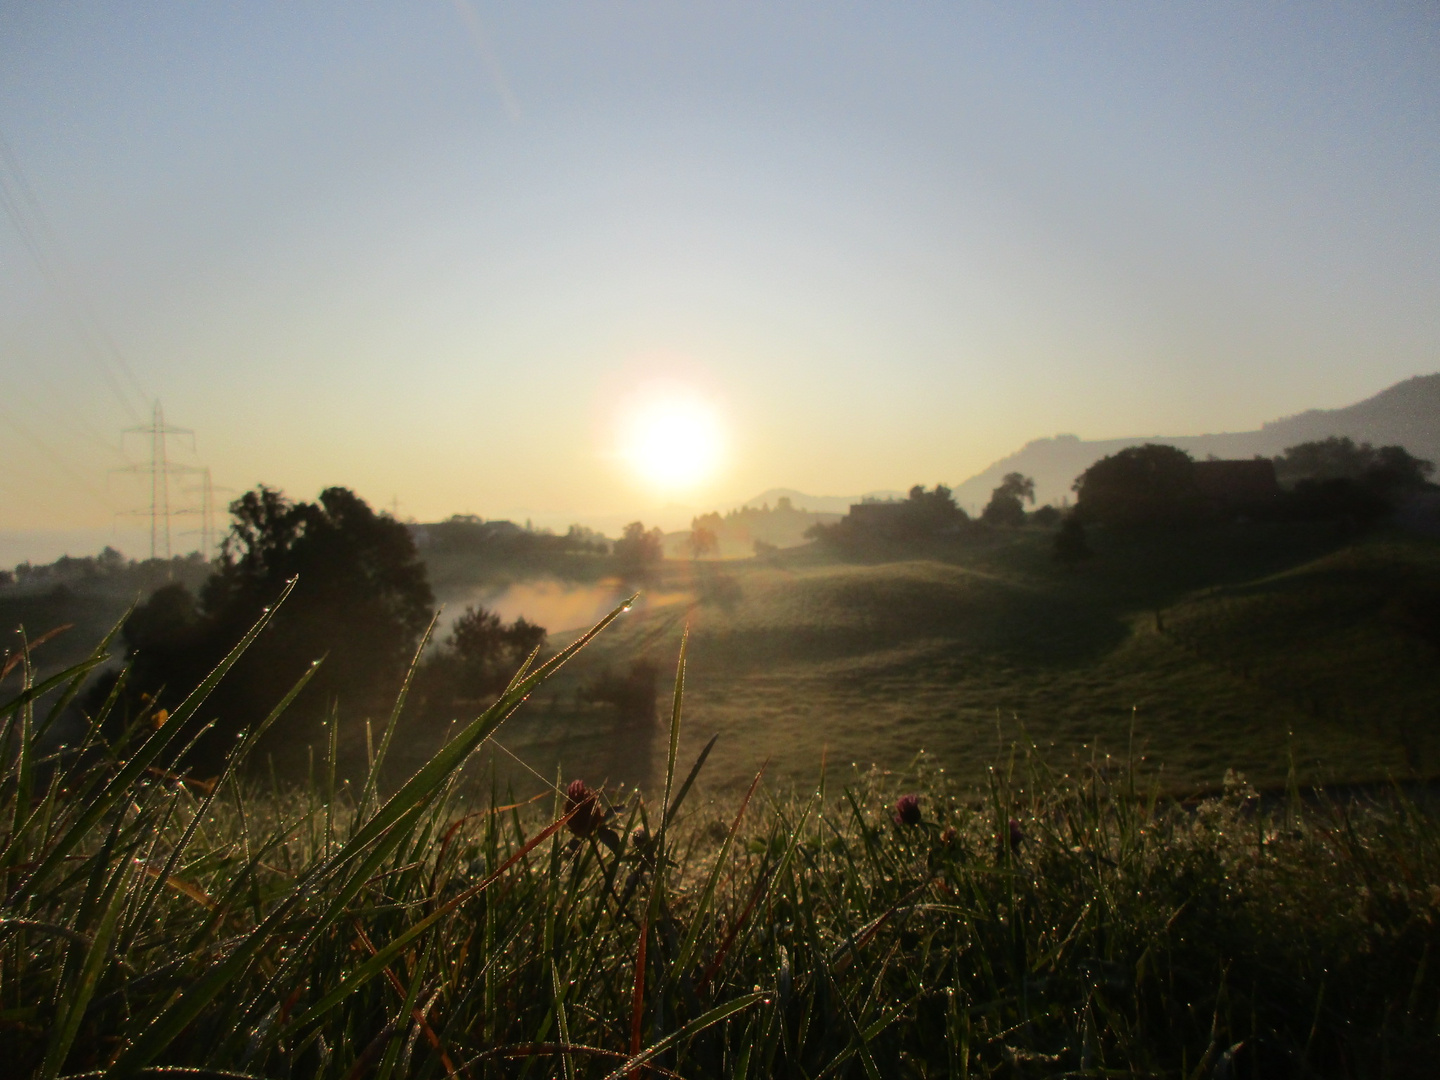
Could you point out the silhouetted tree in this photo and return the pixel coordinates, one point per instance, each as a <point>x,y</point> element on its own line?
<point>1006,506</point>
<point>931,511</point>
<point>1393,470</point>
<point>168,650</point>
<point>1336,479</point>
<point>638,552</point>
<point>477,659</point>
<point>1386,470</point>
<point>1342,458</point>
<point>1140,485</point>
<point>583,538</point>
<point>702,542</point>
<point>361,600</point>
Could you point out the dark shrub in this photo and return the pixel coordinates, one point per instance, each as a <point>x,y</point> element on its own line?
<point>632,695</point>
<point>1070,546</point>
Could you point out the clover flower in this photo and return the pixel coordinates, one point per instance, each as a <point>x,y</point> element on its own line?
<point>585,805</point>
<point>1017,835</point>
<point>907,810</point>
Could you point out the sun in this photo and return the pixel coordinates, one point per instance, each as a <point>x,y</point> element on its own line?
<point>672,440</point>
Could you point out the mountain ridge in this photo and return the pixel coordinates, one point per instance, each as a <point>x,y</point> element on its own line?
<point>1405,414</point>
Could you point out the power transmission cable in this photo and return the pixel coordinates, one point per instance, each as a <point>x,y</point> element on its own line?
<point>64,412</point>
<point>57,269</point>
<point>39,239</point>
<point>53,279</point>
<point>21,206</point>
<point>41,445</point>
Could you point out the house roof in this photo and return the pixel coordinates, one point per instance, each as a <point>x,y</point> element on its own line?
<point>1236,481</point>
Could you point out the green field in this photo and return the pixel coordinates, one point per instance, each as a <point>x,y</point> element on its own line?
<point>1246,648</point>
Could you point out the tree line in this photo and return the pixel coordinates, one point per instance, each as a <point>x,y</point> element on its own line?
<point>1334,478</point>
<point>1159,486</point>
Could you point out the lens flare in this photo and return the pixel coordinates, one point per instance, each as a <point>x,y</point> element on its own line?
<point>673,441</point>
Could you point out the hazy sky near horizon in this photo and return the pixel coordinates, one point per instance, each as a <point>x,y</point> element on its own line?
<point>439,252</point>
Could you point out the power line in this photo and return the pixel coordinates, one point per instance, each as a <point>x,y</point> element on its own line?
<point>21,206</point>
<point>207,514</point>
<point>39,239</point>
<point>55,457</point>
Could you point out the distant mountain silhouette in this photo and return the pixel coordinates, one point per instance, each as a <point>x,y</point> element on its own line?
<point>819,504</point>
<point>1407,414</point>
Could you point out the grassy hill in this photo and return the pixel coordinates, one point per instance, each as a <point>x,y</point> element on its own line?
<point>1239,648</point>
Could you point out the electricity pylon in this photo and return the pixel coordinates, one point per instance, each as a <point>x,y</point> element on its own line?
<point>207,514</point>
<point>208,538</point>
<point>160,469</point>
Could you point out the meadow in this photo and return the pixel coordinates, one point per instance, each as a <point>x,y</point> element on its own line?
<point>900,924</point>
<point>1242,647</point>
<point>1239,648</point>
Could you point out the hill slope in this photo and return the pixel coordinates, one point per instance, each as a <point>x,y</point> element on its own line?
<point>803,656</point>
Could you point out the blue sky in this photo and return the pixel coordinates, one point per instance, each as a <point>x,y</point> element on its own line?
<point>429,251</point>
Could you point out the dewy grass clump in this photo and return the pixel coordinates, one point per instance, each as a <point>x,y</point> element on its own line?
<point>1048,926</point>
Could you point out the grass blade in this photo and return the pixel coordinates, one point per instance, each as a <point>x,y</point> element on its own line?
<point>686,951</point>
<point>372,967</point>
<point>372,777</point>
<point>96,959</point>
<point>434,772</point>
<point>674,807</point>
<point>694,1027</point>
<point>119,787</point>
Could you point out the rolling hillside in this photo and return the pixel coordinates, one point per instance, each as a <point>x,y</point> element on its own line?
<point>1225,651</point>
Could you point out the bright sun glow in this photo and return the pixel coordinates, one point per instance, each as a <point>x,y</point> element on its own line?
<point>673,441</point>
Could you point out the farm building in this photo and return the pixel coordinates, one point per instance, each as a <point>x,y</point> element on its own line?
<point>1237,487</point>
